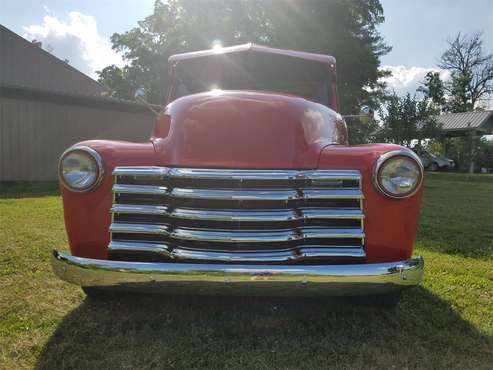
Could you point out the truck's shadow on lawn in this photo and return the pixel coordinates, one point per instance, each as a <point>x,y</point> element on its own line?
<point>209,332</point>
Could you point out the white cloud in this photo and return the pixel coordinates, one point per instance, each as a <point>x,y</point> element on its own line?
<point>404,80</point>
<point>76,40</point>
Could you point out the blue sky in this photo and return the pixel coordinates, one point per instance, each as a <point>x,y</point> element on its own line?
<point>418,29</point>
<point>79,30</point>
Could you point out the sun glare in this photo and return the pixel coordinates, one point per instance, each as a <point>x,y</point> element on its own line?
<point>215,90</point>
<point>217,47</point>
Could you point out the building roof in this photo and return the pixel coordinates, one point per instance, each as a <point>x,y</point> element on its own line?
<point>96,101</point>
<point>477,120</point>
<point>250,47</point>
<point>25,64</point>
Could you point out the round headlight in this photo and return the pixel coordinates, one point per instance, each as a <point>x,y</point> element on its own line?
<point>398,174</point>
<point>80,169</point>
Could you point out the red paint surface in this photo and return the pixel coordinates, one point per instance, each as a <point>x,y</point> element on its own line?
<point>242,129</point>
<point>390,224</point>
<point>246,130</point>
<point>87,216</point>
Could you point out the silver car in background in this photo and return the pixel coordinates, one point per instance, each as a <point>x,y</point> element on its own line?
<point>433,162</point>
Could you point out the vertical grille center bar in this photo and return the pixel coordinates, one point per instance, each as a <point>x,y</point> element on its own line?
<point>237,215</point>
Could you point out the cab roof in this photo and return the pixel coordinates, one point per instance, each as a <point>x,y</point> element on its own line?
<point>250,47</point>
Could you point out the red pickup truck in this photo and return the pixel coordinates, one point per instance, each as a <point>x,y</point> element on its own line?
<point>247,186</point>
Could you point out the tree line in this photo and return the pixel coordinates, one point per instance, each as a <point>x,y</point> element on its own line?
<point>346,29</point>
<point>342,28</point>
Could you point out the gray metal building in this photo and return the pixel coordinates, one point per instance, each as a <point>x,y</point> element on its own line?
<point>46,106</point>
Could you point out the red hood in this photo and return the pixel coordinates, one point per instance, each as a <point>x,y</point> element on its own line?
<point>243,129</point>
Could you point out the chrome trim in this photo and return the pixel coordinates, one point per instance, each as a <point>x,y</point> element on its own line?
<point>332,194</point>
<point>116,227</point>
<point>331,233</point>
<point>139,209</point>
<point>240,194</point>
<point>259,256</point>
<point>238,236</point>
<point>99,163</point>
<point>180,228</point>
<point>234,236</point>
<point>243,215</point>
<point>238,279</point>
<point>223,256</point>
<point>234,215</point>
<point>325,213</point>
<point>235,194</point>
<point>236,174</point>
<point>388,155</point>
<point>130,247</point>
<point>141,171</point>
<point>139,189</point>
<point>324,251</point>
<point>264,236</point>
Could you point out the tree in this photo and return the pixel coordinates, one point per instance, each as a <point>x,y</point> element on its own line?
<point>472,72</point>
<point>118,81</point>
<point>484,152</point>
<point>433,89</point>
<point>178,26</point>
<point>405,119</point>
<point>345,29</point>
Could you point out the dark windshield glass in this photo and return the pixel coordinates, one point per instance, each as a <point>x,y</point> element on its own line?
<point>254,71</point>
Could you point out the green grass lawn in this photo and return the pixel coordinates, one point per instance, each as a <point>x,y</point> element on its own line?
<point>445,324</point>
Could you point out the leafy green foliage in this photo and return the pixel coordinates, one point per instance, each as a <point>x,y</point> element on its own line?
<point>460,99</point>
<point>361,130</point>
<point>345,29</point>
<point>405,119</point>
<point>484,154</point>
<point>433,89</point>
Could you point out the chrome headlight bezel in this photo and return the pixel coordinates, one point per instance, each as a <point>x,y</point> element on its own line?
<point>384,159</point>
<point>94,156</point>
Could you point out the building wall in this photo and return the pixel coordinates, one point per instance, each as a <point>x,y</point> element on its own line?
<point>33,134</point>
<point>25,64</point>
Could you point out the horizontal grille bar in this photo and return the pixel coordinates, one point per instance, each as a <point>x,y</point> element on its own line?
<point>139,189</point>
<point>128,228</point>
<point>178,253</point>
<point>240,194</point>
<point>226,174</point>
<point>238,236</point>
<point>236,215</point>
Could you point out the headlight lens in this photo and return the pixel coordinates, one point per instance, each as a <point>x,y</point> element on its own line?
<point>80,169</point>
<point>398,174</point>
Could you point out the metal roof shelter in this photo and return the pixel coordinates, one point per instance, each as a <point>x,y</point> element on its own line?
<point>470,124</point>
<point>457,124</point>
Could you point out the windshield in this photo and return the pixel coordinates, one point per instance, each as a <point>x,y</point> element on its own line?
<point>255,71</point>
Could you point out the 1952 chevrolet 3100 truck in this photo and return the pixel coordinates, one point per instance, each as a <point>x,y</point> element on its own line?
<point>247,186</point>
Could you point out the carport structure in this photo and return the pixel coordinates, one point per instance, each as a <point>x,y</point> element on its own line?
<point>467,124</point>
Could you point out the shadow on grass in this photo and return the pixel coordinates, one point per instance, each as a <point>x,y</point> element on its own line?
<point>23,189</point>
<point>135,331</point>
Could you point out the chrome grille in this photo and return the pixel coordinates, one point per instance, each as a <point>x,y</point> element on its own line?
<point>270,216</point>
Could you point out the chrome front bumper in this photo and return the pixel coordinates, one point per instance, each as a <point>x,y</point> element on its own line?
<point>223,279</point>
